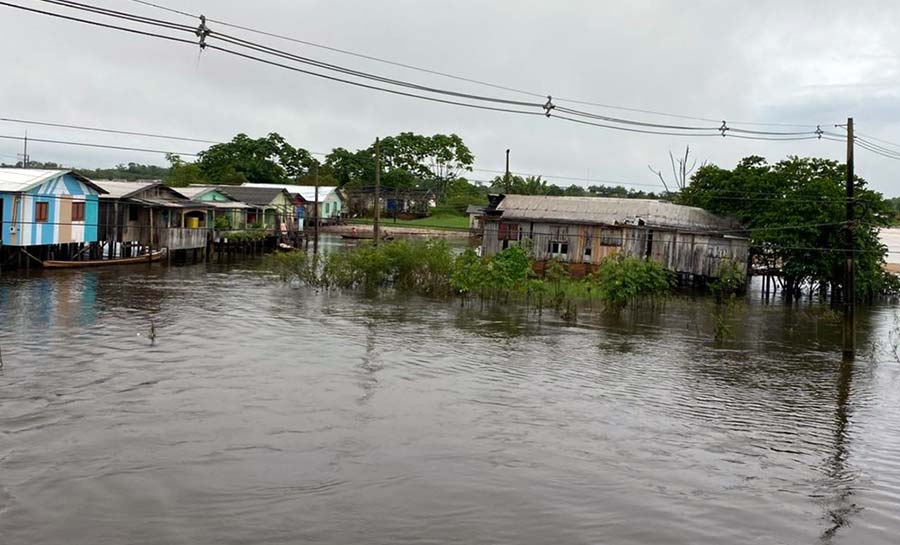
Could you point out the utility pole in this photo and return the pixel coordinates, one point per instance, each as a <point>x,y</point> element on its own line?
<point>506,177</point>
<point>316,211</point>
<point>377,212</point>
<point>25,152</point>
<point>849,336</point>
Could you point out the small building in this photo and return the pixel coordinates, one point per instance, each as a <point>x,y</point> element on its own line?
<point>476,215</point>
<point>331,203</point>
<point>402,203</point>
<point>47,209</point>
<point>227,213</point>
<point>891,239</point>
<point>582,231</point>
<point>148,214</point>
<point>274,207</point>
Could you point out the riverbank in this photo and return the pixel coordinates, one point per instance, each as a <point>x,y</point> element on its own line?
<point>403,229</point>
<point>443,222</point>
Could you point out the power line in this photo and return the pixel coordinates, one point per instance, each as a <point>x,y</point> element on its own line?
<point>203,32</point>
<point>97,23</point>
<point>111,131</point>
<point>273,63</point>
<point>89,145</point>
<point>453,76</point>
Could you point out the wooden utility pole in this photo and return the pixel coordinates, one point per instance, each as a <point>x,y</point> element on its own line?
<point>849,332</point>
<point>506,176</point>
<point>150,248</point>
<point>377,212</point>
<point>316,211</point>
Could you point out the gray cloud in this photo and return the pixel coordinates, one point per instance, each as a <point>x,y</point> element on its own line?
<point>806,61</point>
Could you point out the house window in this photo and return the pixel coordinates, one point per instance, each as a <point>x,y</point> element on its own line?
<point>558,248</point>
<point>587,253</point>
<point>78,211</point>
<point>509,231</point>
<point>133,213</point>
<point>41,211</point>
<point>612,237</point>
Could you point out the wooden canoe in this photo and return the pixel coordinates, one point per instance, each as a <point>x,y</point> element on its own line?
<point>155,256</point>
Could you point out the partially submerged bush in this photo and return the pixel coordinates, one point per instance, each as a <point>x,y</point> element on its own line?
<point>430,268</point>
<point>623,280</point>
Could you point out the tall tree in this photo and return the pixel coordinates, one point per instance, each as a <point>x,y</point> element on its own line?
<point>795,212</point>
<point>256,160</point>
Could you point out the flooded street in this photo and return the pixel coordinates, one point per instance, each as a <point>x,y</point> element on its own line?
<point>264,413</point>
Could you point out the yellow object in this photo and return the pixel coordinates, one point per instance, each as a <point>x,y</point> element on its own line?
<point>193,223</point>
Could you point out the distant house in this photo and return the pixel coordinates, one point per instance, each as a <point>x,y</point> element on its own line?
<point>475,213</point>
<point>331,203</point>
<point>582,231</point>
<point>47,207</point>
<point>222,205</point>
<point>360,201</point>
<point>142,214</point>
<point>276,211</point>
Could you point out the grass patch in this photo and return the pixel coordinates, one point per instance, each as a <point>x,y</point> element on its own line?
<point>443,221</point>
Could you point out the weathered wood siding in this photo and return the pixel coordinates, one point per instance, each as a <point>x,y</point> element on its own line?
<point>174,238</point>
<point>688,253</point>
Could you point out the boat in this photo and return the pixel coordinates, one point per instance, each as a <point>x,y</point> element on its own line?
<point>364,236</point>
<point>145,258</point>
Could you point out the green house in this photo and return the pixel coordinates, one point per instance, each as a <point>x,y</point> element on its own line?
<point>227,213</point>
<point>271,207</point>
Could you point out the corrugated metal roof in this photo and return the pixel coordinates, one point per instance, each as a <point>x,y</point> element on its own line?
<point>120,189</point>
<point>255,194</point>
<point>21,179</point>
<point>308,192</point>
<point>194,191</point>
<point>17,180</point>
<point>611,211</point>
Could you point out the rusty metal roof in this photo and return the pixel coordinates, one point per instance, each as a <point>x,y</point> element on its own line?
<point>611,211</point>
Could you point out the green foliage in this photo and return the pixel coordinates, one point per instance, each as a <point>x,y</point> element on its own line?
<point>130,172</point>
<point>254,234</point>
<point>181,173</point>
<point>730,280</point>
<point>408,160</point>
<point>535,185</point>
<point>255,160</point>
<point>430,268</point>
<point>629,280</point>
<point>795,211</point>
<point>223,222</point>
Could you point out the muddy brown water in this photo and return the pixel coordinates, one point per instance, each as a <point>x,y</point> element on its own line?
<point>264,413</point>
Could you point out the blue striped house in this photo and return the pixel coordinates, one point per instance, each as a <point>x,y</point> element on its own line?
<point>46,207</point>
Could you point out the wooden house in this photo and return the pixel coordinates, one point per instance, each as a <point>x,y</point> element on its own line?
<point>147,214</point>
<point>582,231</point>
<point>273,207</point>
<point>331,203</point>
<point>225,210</point>
<point>47,211</point>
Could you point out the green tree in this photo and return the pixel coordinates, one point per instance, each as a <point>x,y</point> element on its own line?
<point>256,160</point>
<point>795,213</point>
<point>182,173</point>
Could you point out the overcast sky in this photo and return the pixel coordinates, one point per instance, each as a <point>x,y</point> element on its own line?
<point>811,62</point>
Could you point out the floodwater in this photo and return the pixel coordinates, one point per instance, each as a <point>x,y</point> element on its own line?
<point>264,413</point>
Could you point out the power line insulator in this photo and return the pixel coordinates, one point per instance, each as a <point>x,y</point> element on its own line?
<point>723,128</point>
<point>548,106</point>
<point>202,32</point>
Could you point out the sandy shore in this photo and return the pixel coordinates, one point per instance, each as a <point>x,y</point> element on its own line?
<point>397,230</point>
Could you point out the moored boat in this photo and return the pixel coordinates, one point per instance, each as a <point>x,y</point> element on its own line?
<point>145,258</point>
